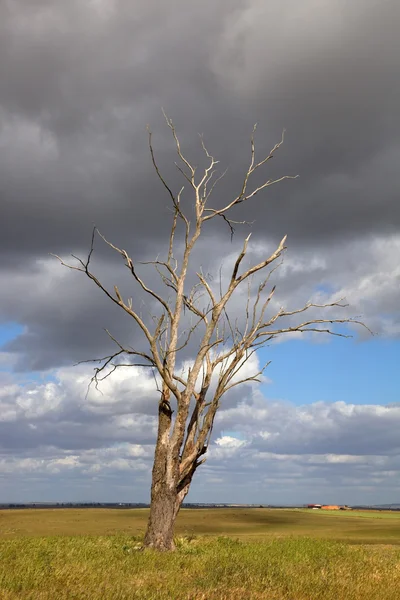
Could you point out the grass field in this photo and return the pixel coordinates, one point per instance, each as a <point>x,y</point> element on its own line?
<point>222,554</point>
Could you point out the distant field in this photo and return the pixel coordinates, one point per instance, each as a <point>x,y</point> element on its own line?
<point>231,554</point>
<point>367,527</point>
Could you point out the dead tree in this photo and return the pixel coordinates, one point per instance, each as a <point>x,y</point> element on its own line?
<point>189,401</point>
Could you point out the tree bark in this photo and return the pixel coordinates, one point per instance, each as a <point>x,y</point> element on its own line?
<point>164,509</point>
<point>168,489</point>
<point>163,512</point>
<point>160,528</point>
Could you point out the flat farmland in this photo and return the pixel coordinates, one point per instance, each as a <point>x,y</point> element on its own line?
<point>235,554</point>
<point>371,527</point>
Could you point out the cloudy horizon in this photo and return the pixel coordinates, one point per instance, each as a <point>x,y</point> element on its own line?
<point>81,81</point>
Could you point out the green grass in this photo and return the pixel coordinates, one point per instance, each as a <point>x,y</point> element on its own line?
<point>269,554</point>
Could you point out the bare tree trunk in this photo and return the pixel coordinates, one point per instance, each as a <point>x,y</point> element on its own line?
<point>160,527</point>
<point>168,489</point>
<point>164,508</point>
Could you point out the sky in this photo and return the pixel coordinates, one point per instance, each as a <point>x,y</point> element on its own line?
<point>81,81</point>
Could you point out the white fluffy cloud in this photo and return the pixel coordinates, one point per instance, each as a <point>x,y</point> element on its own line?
<point>56,444</point>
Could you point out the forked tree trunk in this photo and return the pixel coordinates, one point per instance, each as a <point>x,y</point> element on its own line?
<point>164,508</point>
<point>166,498</point>
<point>166,502</point>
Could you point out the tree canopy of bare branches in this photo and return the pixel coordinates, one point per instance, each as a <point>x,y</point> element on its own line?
<point>190,400</point>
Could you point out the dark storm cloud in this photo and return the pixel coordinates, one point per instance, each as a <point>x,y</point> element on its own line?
<point>80,89</point>
<point>82,79</point>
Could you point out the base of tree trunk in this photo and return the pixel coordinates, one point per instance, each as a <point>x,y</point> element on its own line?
<point>160,528</point>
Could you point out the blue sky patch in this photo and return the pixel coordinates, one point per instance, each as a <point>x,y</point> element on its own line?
<point>9,331</point>
<point>342,369</point>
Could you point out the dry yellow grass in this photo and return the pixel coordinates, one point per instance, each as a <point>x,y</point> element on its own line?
<point>353,527</point>
<point>92,554</point>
